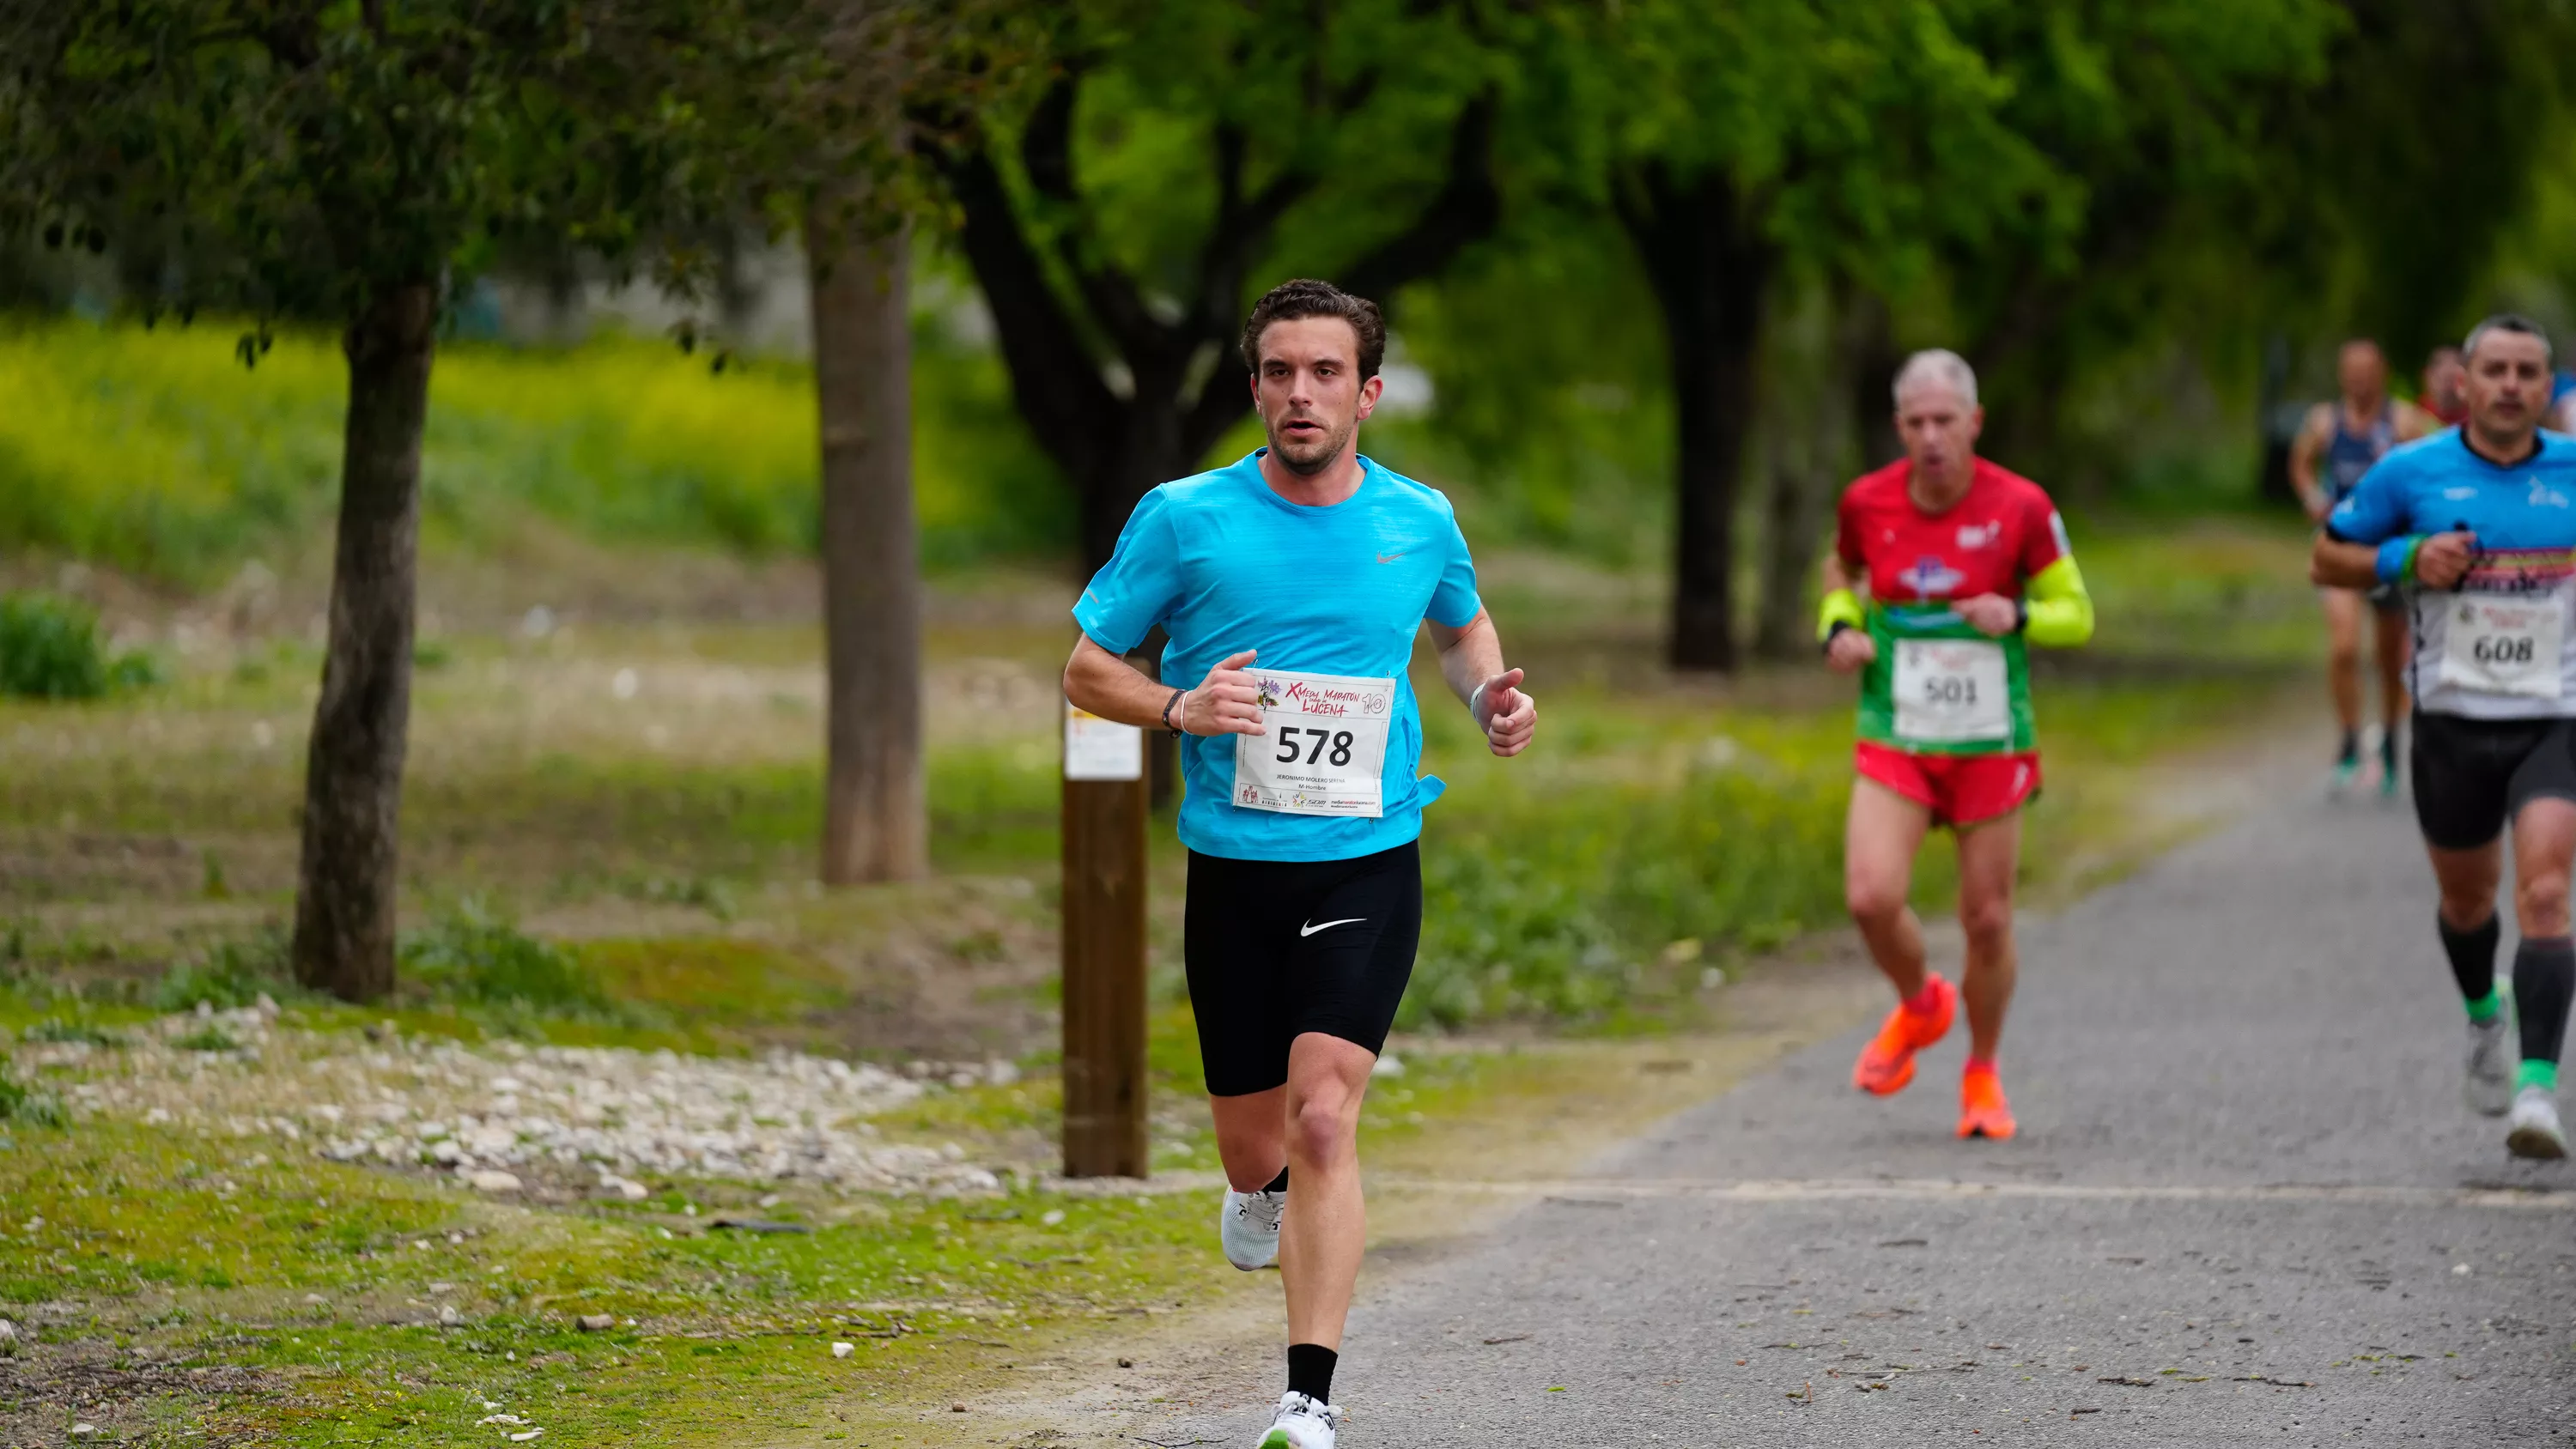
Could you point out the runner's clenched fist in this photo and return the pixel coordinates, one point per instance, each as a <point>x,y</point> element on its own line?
<point>1851,649</point>
<point>1227,702</point>
<point>2444,559</point>
<point>1506,715</point>
<point>1992,615</point>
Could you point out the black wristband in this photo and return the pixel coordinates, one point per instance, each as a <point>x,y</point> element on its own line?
<point>1177,695</point>
<point>2021,615</point>
<point>1831,630</point>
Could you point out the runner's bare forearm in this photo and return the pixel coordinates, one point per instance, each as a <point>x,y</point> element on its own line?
<point>2339,565</point>
<point>1838,575</point>
<point>2303,466</point>
<point>1469,655</point>
<point>1110,687</point>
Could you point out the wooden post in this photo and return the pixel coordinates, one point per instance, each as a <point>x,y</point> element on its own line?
<point>1105,809</point>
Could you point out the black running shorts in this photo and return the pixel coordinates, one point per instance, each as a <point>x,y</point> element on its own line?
<point>1278,948</point>
<point>2473,775</point>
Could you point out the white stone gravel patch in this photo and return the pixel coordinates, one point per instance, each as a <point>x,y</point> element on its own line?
<point>489,1113</point>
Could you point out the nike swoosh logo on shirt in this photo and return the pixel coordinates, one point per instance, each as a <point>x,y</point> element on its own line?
<point>1390,557</point>
<point>1328,925</point>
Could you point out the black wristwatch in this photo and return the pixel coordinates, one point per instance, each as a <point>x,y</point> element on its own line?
<point>1832,630</point>
<point>1177,696</point>
<point>2021,615</point>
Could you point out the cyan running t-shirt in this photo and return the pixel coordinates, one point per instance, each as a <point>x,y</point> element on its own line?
<point>2524,516</point>
<point>1224,564</point>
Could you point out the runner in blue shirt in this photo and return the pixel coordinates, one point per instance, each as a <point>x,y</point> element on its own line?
<point>2477,528</point>
<point>1292,584</point>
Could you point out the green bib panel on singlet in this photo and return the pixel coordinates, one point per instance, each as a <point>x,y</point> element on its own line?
<point>1938,687</point>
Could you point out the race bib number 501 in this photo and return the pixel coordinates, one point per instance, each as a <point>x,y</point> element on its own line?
<point>1951,691</point>
<point>1325,750</point>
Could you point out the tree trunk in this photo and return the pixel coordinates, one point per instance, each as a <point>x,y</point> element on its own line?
<point>1145,450</point>
<point>1873,376</point>
<point>1811,415</point>
<point>875,800</point>
<point>344,904</point>
<point>1708,263</point>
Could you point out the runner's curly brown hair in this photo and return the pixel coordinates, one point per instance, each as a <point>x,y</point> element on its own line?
<point>1306,297</point>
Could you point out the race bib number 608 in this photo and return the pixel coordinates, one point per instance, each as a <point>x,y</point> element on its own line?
<point>2505,646</point>
<point>1324,752</point>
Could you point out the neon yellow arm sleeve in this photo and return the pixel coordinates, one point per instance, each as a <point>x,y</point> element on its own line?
<point>1842,606</point>
<point>2056,610</point>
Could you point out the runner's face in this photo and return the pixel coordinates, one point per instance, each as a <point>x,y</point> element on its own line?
<point>1309,392</point>
<point>2362,372</point>
<point>2508,387</point>
<point>1939,427</point>
<point>2442,378</point>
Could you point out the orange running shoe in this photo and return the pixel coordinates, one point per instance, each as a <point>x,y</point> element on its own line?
<point>1983,1112</point>
<point>1887,1063</point>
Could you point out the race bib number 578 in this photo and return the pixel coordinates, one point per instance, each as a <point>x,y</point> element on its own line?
<point>1325,749</point>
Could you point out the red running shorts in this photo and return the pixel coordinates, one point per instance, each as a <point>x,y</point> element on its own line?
<point>1961,790</point>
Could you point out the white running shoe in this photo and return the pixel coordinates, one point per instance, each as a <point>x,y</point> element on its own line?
<point>1301,1423</point>
<point>1248,1226</point>
<point>2533,1130</point>
<point>2492,1055</point>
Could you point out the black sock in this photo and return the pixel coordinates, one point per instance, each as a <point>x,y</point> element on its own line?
<point>2472,954</point>
<point>2544,978</point>
<point>2351,750</point>
<point>2388,749</point>
<point>1310,1371</point>
<point>1280,1183</point>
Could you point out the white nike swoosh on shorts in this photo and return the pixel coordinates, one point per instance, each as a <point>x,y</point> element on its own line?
<point>1328,925</point>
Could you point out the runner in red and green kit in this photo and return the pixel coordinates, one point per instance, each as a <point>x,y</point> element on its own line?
<point>1945,569</point>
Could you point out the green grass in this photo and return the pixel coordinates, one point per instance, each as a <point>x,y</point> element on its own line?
<point>318,1280</point>
<point>157,452</point>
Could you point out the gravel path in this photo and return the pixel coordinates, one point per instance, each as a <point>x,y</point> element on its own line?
<point>2247,1205</point>
<point>502,1116</point>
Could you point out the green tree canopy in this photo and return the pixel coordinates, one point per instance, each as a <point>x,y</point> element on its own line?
<point>1175,159</point>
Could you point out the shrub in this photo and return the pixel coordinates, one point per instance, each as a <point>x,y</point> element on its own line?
<point>32,1106</point>
<point>230,974</point>
<point>62,1029</point>
<point>52,648</point>
<point>207,1038</point>
<point>475,955</point>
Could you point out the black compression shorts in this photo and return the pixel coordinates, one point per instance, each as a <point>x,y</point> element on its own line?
<point>1278,948</point>
<point>2473,775</point>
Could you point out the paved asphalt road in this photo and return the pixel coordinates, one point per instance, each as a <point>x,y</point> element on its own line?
<point>2247,1206</point>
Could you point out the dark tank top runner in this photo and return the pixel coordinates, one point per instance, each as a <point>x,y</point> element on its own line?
<point>2350,454</point>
